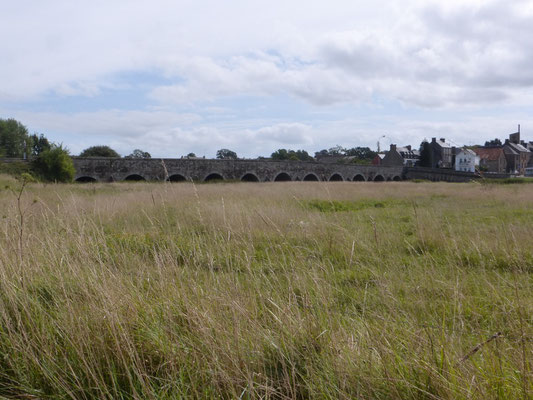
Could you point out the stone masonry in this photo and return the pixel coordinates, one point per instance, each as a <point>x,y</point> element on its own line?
<point>155,169</point>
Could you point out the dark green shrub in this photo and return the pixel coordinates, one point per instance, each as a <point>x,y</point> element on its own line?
<point>54,165</point>
<point>100,151</point>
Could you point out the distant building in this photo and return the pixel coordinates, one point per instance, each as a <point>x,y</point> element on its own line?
<point>377,160</point>
<point>492,159</point>
<point>529,146</point>
<point>516,153</point>
<point>392,157</point>
<point>513,156</point>
<point>397,156</point>
<point>440,154</point>
<point>466,160</point>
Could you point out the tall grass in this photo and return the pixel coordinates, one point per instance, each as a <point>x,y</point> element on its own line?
<point>276,291</point>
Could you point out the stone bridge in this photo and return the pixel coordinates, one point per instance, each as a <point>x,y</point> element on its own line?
<point>123,169</point>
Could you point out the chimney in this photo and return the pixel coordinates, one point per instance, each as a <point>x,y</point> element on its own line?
<point>433,140</point>
<point>442,140</point>
<point>392,147</point>
<point>408,147</point>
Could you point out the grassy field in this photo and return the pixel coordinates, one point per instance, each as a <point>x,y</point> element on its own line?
<point>274,291</point>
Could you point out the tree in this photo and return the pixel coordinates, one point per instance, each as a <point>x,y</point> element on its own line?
<point>298,155</point>
<point>281,154</point>
<point>225,154</point>
<point>303,155</point>
<point>493,143</point>
<point>13,138</point>
<point>425,154</point>
<point>137,153</point>
<point>54,164</point>
<point>336,151</point>
<point>38,144</point>
<point>99,151</point>
<point>321,153</point>
<point>333,151</point>
<point>191,155</point>
<point>361,155</point>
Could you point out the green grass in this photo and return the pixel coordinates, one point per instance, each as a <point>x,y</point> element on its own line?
<point>276,291</point>
<point>339,206</point>
<point>507,181</point>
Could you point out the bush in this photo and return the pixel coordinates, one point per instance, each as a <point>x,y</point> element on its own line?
<point>225,154</point>
<point>99,151</point>
<point>137,153</point>
<point>55,165</point>
<point>298,155</point>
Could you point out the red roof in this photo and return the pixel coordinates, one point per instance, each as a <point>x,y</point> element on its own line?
<point>489,153</point>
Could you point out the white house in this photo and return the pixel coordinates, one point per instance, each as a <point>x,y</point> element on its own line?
<point>466,160</point>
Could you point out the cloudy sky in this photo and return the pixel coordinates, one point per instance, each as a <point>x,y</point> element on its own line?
<point>179,76</point>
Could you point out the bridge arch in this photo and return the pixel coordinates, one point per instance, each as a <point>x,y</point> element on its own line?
<point>176,178</point>
<point>336,177</point>
<point>86,179</point>
<point>249,177</point>
<point>311,178</point>
<point>134,178</point>
<point>213,176</point>
<point>379,178</point>
<point>359,178</point>
<point>282,177</point>
<point>397,178</point>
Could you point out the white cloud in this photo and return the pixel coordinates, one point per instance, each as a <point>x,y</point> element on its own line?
<point>434,55</point>
<point>329,53</point>
<point>287,134</point>
<point>261,75</point>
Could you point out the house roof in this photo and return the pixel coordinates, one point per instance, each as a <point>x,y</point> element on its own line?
<point>466,151</point>
<point>489,153</point>
<point>516,148</point>
<point>443,144</point>
<point>406,152</point>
